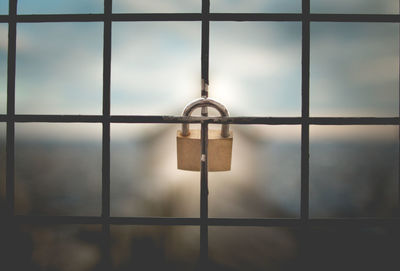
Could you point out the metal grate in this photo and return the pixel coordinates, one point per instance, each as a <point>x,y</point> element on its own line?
<point>303,223</point>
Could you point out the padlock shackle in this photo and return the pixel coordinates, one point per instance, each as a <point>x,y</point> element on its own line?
<point>205,102</point>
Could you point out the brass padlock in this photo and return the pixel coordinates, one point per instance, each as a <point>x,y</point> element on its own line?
<point>219,142</point>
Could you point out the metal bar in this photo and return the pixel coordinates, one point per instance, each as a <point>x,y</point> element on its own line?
<point>205,47</point>
<point>305,136</point>
<point>298,17</point>
<point>304,198</point>
<point>204,197</point>
<point>254,222</point>
<point>179,221</point>
<point>157,17</point>
<point>205,50</point>
<point>110,220</point>
<point>105,246</point>
<point>354,121</point>
<point>106,110</point>
<point>181,119</point>
<point>293,222</point>
<point>42,18</point>
<point>398,139</point>
<point>51,220</point>
<point>315,17</point>
<point>58,118</point>
<point>105,208</point>
<point>305,94</point>
<point>240,17</point>
<point>10,140</point>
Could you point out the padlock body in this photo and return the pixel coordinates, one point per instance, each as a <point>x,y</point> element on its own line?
<point>219,150</point>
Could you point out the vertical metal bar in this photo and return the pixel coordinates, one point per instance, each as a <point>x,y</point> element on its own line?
<point>204,198</point>
<point>305,111</point>
<point>205,48</point>
<point>205,39</point>
<point>305,134</point>
<point>205,45</point>
<point>398,142</point>
<point>106,264</point>
<point>10,151</point>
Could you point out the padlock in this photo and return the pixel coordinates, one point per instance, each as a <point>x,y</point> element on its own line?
<point>219,141</point>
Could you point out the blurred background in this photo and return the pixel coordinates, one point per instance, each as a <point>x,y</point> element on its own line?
<point>255,70</point>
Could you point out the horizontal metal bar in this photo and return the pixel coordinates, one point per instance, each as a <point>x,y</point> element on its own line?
<point>248,222</point>
<point>4,18</point>
<point>43,220</point>
<point>155,221</point>
<point>152,119</point>
<point>255,17</point>
<point>58,118</point>
<point>41,18</point>
<point>156,17</point>
<point>292,222</point>
<point>50,220</point>
<point>316,17</point>
<point>178,221</point>
<point>229,120</point>
<point>182,119</point>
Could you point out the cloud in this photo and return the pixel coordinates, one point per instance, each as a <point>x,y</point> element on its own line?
<point>51,6</point>
<point>4,7</point>
<point>72,132</point>
<point>59,68</point>
<point>354,69</point>
<point>260,62</point>
<point>356,133</point>
<point>355,6</point>
<point>3,37</point>
<point>162,6</point>
<point>3,67</point>
<point>242,6</point>
<point>155,67</point>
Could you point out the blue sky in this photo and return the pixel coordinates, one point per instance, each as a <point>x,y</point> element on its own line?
<point>255,67</point>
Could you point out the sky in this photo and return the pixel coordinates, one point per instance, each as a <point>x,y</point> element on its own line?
<point>255,70</point>
<point>255,67</point>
